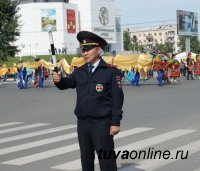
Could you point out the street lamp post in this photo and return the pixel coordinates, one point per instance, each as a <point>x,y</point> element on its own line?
<point>30,49</point>
<point>22,46</point>
<point>36,50</point>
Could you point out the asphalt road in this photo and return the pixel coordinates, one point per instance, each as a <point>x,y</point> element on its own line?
<point>38,127</point>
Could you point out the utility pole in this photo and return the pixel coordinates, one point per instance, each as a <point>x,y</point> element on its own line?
<point>187,44</point>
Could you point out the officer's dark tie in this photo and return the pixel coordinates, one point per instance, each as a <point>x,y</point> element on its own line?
<point>90,67</point>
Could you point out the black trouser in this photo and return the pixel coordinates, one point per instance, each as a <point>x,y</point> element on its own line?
<point>181,71</point>
<point>94,135</point>
<point>189,73</point>
<point>184,71</point>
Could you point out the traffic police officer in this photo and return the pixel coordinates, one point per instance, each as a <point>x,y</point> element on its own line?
<point>99,102</point>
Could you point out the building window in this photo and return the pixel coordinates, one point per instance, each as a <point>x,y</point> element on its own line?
<point>155,34</point>
<point>171,33</point>
<point>160,34</point>
<point>134,38</point>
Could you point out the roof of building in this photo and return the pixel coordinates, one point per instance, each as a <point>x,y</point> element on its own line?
<point>154,28</point>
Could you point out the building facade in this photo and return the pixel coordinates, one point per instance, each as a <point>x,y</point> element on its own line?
<point>65,18</point>
<point>150,36</point>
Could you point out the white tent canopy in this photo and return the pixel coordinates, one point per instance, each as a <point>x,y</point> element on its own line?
<point>183,56</point>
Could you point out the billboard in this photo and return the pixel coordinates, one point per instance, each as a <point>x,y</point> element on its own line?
<point>71,21</point>
<point>187,23</point>
<point>48,19</point>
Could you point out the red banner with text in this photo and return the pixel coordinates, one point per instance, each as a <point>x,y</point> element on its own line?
<point>71,21</point>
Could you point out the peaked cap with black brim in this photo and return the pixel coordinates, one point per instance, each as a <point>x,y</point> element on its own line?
<point>87,38</point>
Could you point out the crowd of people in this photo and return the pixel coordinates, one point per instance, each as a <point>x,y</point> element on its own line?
<point>36,76</point>
<point>6,71</point>
<point>165,74</point>
<point>190,68</point>
<point>59,51</point>
<point>23,76</point>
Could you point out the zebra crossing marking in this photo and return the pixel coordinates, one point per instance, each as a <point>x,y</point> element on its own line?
<point>10,124</point>
<point>4,131</point>
<point>150,165</point>
<point>76,164</point>
<point>132,132</point>
<point>37,133</point>
<point>37,143</point>
<point>65,149</point>
<point>198,169</point>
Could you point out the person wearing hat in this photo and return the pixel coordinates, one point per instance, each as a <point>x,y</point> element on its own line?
<point>99,102</point>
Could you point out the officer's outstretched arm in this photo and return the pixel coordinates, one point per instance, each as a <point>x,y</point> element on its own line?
<point>67,82</point>
<point>117,98</point>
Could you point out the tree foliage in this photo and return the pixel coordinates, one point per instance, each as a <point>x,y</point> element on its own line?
<point>127,41</point>
<point>9,28</point>
<point>194,44</point>
<point>166,47</point>
<point>131,44</point>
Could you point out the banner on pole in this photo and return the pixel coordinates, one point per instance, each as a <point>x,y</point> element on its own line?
<point>71,21</point>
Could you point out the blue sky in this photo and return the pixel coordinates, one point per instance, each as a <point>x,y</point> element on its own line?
<point>146,11</point>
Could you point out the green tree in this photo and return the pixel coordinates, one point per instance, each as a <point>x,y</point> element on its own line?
<point>168,47</point>
<point>158,47</point>
<point>127,41</point>
<point>141,47</point>
<point>135,43</point>
<point>9,28</point>
<point>194,44</point>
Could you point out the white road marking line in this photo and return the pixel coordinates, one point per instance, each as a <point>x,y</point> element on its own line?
<point>198,169</point>
<point>155,140</point>
<point>36,143</point>
<point>150,165</point>
<point>63,150</point>
<point>37,133</point>
<point>132,132</point>
<point>10,124</point>
<point>76,164</point>
<point>22,128</point>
